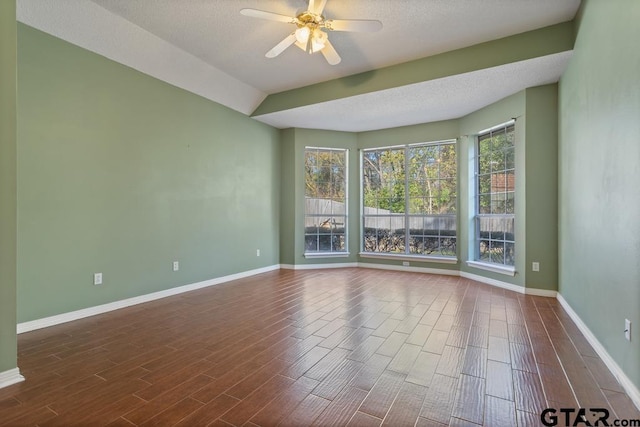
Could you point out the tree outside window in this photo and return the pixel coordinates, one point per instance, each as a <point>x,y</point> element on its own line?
<point>495,196</point>
<point>325,220</point>
<point>409,199</point>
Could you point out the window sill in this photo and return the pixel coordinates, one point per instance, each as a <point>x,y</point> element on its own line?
<point>495,268</point>
<point>326,254</point>
<point>402,257</point>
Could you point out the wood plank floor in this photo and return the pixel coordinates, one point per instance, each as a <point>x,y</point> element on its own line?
<point>327,347</point>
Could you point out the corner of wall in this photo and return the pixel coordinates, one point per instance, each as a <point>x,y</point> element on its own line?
<point>8,192</point>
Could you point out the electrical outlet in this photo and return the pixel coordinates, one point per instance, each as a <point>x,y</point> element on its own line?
<point>535,266</point>
<point>627,329</point>
<point>176,265</point>
<point>97,278</point>
<point>257,252</point>
<point>405,263</point>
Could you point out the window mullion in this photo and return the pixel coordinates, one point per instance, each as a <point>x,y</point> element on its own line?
<point>406,201</point>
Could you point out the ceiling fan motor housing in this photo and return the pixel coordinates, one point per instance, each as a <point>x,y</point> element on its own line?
<point>308,18</point>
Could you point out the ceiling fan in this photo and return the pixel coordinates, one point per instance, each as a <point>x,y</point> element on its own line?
<point>311,35</point>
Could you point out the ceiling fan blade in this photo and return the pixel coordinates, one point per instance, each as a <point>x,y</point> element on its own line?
<point>330,54</point>
<point>255,13</point>
<point>280,47</point>
<point>357,25</point>
<point>317,6</point>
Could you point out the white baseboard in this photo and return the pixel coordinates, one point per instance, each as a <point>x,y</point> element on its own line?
<point>493,282</point>
<point>392,267</point>
<point>370,265</point>
<point>540,292</point>
<point>509,286</point>
<point>318,266</point>
<point>629,387</point>
<point>408,269</point>
<point>12,376</point>
<point>104,308</point>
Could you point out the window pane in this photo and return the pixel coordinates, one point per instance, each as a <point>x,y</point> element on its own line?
<point>325,200</point>
<point>510,159</point>
<point>484,204</point>
<point>331,242</point>
<point>510,136</point>
<point>448,163</point>
<point>484,184</point>
<point>396,234</point>
<point>310,242</point>
<point>510,205</point>
<point>484,164</point>
<point>496,252</point>
<point>497,224</point>
<point>416,245</point>
<point>448,246</point>
<point>384,234</point>
<point>408,186</point>
<point>431,245</point>
<point>497,203</point>
<point>311,226</point>
<point>496,161</point>
<point>495,192</point>
<point>418,205</point>
<point>447,226</point>
<point>510,180</point>
<point>509,255</point>
<point>484,251</point>
<point>484,144</point>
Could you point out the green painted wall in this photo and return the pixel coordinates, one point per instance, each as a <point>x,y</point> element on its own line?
<point>288,182</point>
<point>8,344</point>
<point>122,174</point>
<point>541,186</point>
<point>492,115</point>
<point>599,197</point>
<point>535,110</point>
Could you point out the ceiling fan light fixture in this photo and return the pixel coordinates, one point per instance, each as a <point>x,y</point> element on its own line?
<point>319,40</point>
<point>302,34</point>
<point>317,37</point>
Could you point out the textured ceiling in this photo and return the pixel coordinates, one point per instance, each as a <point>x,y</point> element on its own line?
<point>207,47</point>
<point>425,102</point>
<point>215,32</point>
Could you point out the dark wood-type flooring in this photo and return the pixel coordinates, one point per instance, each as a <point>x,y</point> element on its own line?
<point>337,347</point>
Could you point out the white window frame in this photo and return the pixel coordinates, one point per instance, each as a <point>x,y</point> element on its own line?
<point>331,253</point>
<point>407,256</point>
<point>476,262</point>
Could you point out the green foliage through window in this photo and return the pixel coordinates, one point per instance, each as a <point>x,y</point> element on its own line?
<point>410,199</point>
<point>325,200</point>
<point>495,196</point>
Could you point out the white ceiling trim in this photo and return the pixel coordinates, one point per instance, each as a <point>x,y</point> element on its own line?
<point>434,100</point>
<point>85,24</point>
